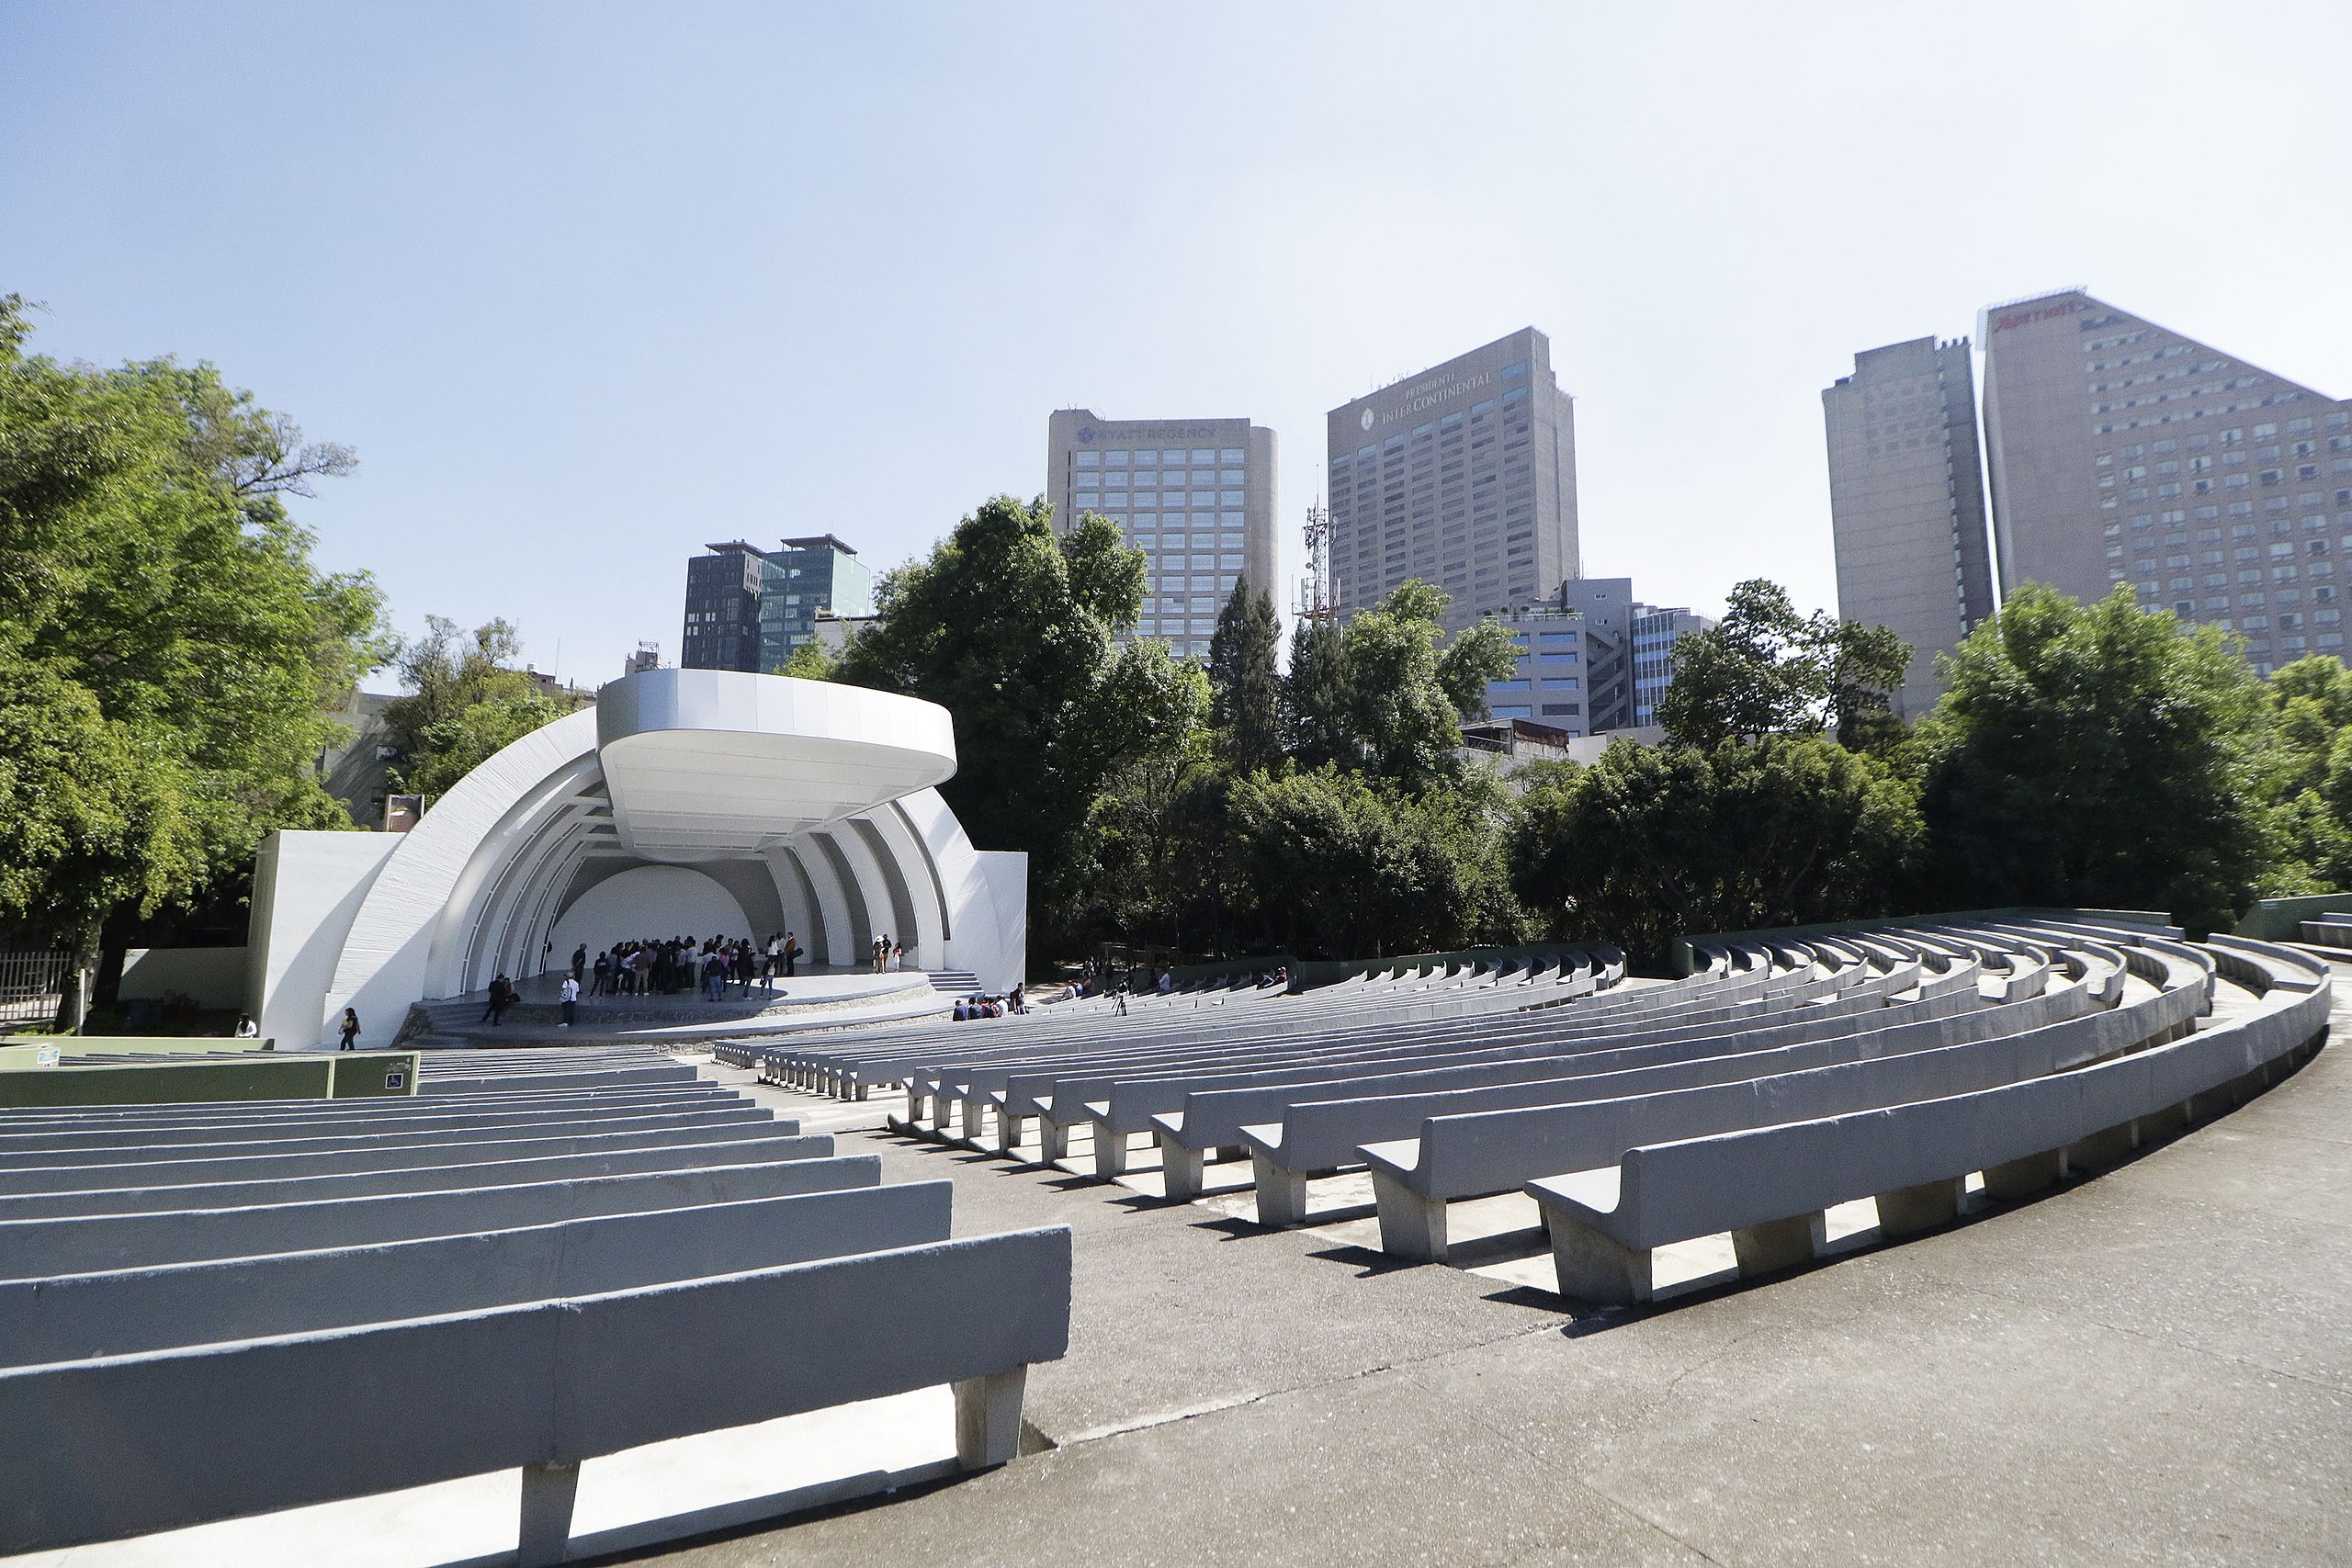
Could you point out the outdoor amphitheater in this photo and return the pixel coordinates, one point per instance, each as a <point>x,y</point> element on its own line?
<point>2004,1238</point>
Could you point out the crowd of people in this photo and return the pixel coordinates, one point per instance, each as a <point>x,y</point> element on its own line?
<point>670,966</point>
<point>1013,1002</point>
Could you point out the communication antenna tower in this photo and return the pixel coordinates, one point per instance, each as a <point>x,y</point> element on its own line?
<point>1315,589</point>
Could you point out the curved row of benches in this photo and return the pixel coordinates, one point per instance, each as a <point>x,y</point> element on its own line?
<point>208,1311</point>
<point>1784,1069</point>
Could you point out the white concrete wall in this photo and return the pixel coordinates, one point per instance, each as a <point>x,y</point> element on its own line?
<point>646,903</point>
<point>307,888</point>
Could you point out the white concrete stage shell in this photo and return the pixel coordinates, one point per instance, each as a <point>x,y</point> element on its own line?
<point>813,805</point>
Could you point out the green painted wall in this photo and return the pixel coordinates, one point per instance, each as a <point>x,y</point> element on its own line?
<point>323,1075</point>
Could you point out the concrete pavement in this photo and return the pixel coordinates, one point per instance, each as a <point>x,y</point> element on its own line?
<point>2151,1366</point>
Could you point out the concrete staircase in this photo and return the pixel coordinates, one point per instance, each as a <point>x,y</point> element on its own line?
<point>954,982</point>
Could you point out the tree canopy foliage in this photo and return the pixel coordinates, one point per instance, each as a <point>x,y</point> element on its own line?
<point>467,703</point>
<point>168,647</point>
<point>2099,755</point>
<point>1766,670</point>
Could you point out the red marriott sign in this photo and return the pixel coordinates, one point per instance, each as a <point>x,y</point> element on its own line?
<point>2002,323</point>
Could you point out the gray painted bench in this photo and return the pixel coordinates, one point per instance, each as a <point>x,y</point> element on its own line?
<point>1480,1152</point>
<point>119,1445</point>
<point>1768,1186</point>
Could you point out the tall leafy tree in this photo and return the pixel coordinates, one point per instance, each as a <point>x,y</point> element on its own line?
<point>1010,629</point>
<point>1243,684</point>
<point>1767,670</point>
<point>467,703</point>
<point>159,603</point>
<point>1411,698</point>
<point>2096,755</point>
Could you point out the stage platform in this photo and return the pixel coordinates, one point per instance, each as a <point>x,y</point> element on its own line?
<point>815,998</point>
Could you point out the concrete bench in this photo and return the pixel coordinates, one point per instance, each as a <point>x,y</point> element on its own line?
<point>1120,1107</point>
<point>245,1141</point>
<point>86,1242</point>
<point>73,1316</point>
<point>1217,1114</point>
<point>119,1445</point>
<point>260,1164</point>
<point>743,1148</point>
<point>1480,1152</point>
<point>1768,1186</point>
<point>404,1116</point>
<point>1311,1135</point>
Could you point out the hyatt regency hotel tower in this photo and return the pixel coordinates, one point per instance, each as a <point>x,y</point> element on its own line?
<point>1197,496</point>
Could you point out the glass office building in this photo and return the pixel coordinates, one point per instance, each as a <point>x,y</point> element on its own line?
<point>747,608</point>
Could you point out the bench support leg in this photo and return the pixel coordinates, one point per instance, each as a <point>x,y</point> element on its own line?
<point>1281,1194</point>
<point>1008,1131</point>
<point>2024,1177</point>
<point>988,1418</point>
<point>1411,1227</point>
<point>1053,1138</point>
<point>548,1492</point>
<point>973,1107</point>
<point>1594,1266</point>
<point>1181,1168</point>
<point>1778,1243</point>
<point>914,1105</point>
<point>1110,1152</point>
<point>861,1092</point>
<point>1908,1211</point>
<point>2103,1149</point>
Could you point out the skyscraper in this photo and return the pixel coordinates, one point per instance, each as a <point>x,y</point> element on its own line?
<point>2122,451</point>
<point>1906,503</point>
<point>1197,496</point>
<point>747,608</point>
<point>1464,476</point>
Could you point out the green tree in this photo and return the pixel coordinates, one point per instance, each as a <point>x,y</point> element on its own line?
<point>1409,699</point>
<point>1010,629</point>
<point>1766,670</point>
<point>2096,755</point>
<point>1319,699</point>
<point>1649,844</point>
<point>1345,865</point>
<point>1245,685</point>
<point>160,604</point>
<point>465,703</point>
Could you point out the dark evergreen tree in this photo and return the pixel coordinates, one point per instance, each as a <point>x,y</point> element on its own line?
<point>1245,687</point>
<point>1318,699</point>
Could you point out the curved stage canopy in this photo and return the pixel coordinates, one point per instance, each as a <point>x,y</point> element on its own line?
<point>810,807</point>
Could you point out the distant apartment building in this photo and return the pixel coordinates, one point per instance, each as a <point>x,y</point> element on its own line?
<point>1464,475</point>
<point>1906,503</point>
<point>747,608</point>
<point>1197,497</point>
<point>2122,452</point>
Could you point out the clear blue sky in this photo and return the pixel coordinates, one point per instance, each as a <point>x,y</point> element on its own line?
<point>588,285</point>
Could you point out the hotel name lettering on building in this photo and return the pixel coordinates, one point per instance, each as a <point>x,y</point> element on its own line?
<point>1088,435</point>
<point>1430,393</point>
<point>2025,318</point>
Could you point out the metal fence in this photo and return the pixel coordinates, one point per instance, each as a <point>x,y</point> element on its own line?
<point>32,984</point>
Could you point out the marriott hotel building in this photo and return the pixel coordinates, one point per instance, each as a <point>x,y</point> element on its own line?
<point>1195,496</point>
<point>1464,476</point>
